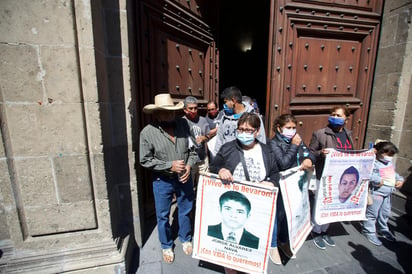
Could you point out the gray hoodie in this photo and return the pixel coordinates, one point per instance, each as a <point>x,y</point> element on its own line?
<point>226,131</point>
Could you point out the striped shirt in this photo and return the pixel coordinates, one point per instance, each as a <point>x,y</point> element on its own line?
<point>157,150</point>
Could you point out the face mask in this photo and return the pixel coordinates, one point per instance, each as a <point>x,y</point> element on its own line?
<point>336,121</point>
<point>213,113</point>
<point>245,138</point>
<point>288,133</point>
<point>228,111</point>
<point>191,115</point>
<point>387,159</point>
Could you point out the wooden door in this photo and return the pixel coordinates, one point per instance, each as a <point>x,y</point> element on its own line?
<point>322,55</point>
<point>176,53</point>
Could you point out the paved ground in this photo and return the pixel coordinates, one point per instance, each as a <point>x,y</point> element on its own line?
<point>352,254</point>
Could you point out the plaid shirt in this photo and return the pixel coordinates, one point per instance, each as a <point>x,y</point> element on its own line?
<point>158,151</point>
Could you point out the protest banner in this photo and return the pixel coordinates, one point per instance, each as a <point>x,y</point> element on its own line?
<point>234,223</point>
<point>294,184</point>
<point>342,190</point>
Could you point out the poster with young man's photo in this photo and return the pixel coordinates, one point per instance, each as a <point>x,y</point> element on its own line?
<point>294,184</point>
<point>234,223</point>
<point>343,188</point>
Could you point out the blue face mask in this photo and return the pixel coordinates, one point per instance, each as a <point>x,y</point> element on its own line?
<point>245,138</point>
<point>228,111</point>
<point>336,121</point>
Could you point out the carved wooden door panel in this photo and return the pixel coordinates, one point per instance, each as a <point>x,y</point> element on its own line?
<point>176,54</point>
<point>323,55</point>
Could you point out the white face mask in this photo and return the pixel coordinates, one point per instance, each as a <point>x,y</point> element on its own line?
<point>387,158</point>
<point>288,133</point>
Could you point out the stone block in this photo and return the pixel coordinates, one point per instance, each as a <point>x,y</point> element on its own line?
<point>115,80</point>
<point>403,167</point>
<point>392,90</point>
<point>55,129</point>
<point>106,124</point>
<point>6,191</point>
<point>403,25</point>
<point>73,178</point>
<point>379,88</point>
<point>84,25</point>
<point>102,82</point>
<point>381,114</point>
<point>374,133</point>
<point>394,6</point>
<point>6,199</point>
<point>106,269</point>
<point>21,76</point>
<point>390,59</point>
<point>88,75</point>
<point>113,30</point>
<point>100,188</point>
<point>98,27</point>
<point>58,218</point>
<point>116,5</point>
<point>4,228</point>
<point>2,152</point>
<point>94,127</point>
<point>37,22</point>
<point>61,74</point>
<point>405,147</point>
<point>389,29</point>
<point>407,119</point>
<point>124,34</point>
<point>35,181</point>
<point>119,127</point>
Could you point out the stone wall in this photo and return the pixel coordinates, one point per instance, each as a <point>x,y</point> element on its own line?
<point>63,127</point>
<point>390,110</point>
<point>391,104</point>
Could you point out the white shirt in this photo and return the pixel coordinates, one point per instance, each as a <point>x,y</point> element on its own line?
<point>254,164</point>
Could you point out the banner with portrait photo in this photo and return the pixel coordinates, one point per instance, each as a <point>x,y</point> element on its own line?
<point>343,188</point>
<point>294,184</point>
<point>234,223</point>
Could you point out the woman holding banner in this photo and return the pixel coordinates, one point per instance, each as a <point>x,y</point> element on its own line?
<point>290,151</point>
<point>334,136</point>
<point>247,159</point>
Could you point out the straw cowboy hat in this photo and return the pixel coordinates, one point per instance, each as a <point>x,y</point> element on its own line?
<point>162,101</point>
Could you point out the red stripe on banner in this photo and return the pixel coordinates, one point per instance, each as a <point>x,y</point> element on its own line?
<point>300,239</point>
<point>269,236</point>
<point>201,212</point>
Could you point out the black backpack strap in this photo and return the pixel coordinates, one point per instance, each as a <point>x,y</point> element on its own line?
<point>242,158</point>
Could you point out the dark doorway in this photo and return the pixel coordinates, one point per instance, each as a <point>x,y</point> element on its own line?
<point>243,44</point>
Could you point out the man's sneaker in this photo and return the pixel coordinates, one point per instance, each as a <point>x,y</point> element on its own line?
<point>328,240</point>
<point>388,235</point>
<point>318,241</point>
<point>373,238</point>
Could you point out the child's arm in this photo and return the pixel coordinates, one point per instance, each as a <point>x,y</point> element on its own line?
<point>399,181</point>
<point>398,184</point>
<point>376,179</point>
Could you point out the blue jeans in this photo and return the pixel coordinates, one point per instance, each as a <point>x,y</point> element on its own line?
<point>163,190</point>
<point>274,242</point>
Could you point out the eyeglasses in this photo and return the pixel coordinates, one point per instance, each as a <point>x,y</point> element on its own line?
<point>246,130</point>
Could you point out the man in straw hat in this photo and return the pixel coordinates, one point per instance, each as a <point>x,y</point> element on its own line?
<point>164,149</point>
